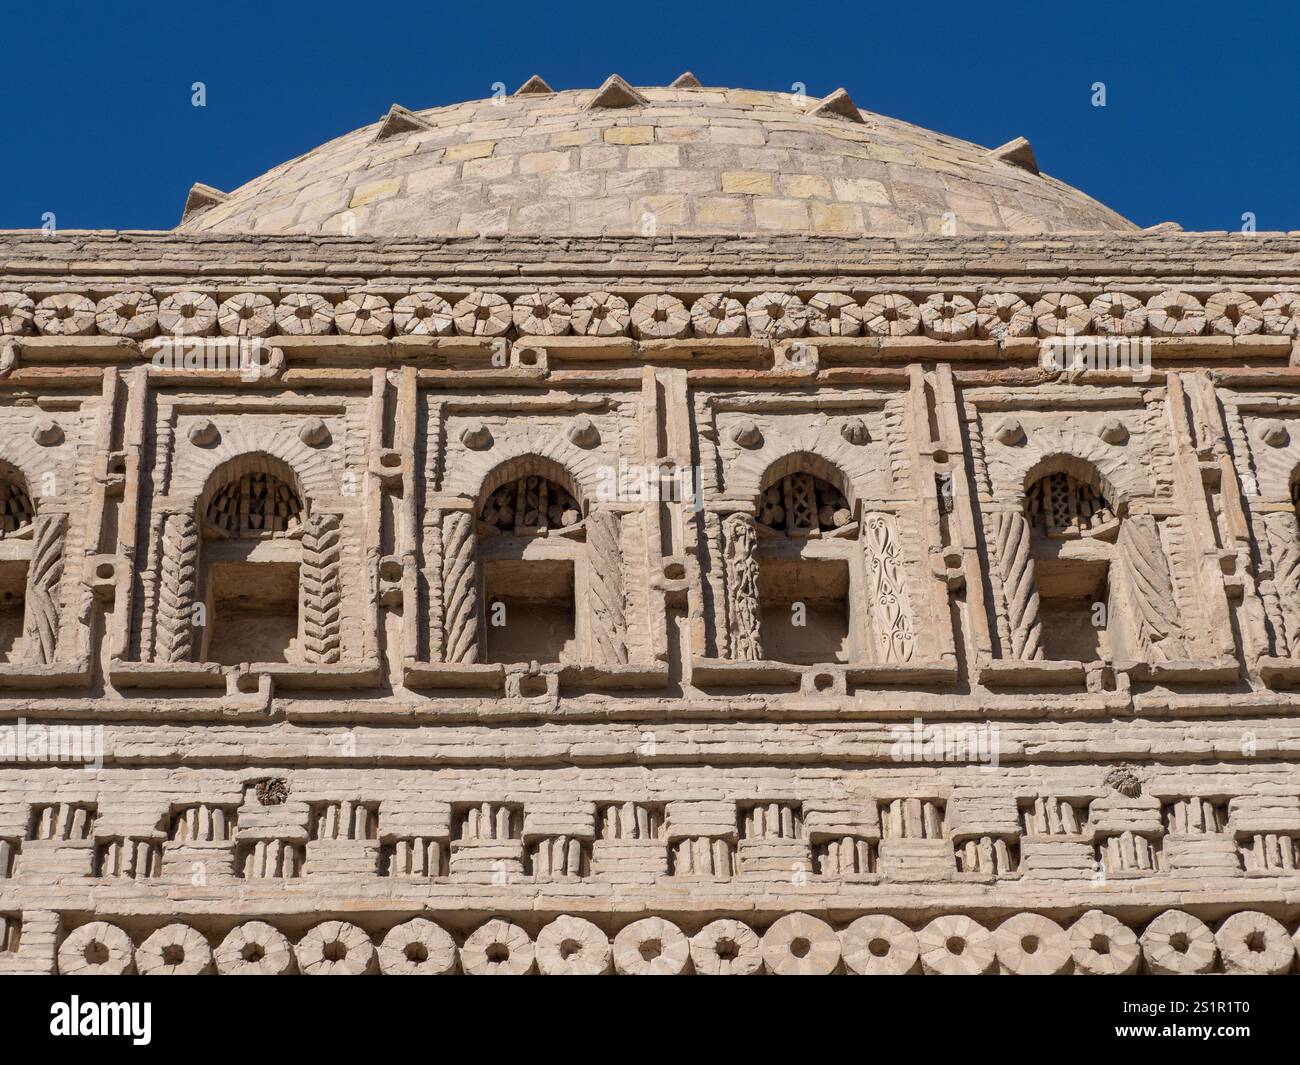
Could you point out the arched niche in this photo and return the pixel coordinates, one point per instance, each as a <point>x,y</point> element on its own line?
<point>17,508</point>
<point>1074,522</point>
<point>533,563</point>
<point>529,495</point>
<point>251,497</point>
<point>17,519</point>
<point>244,577</point>
<point>1067,498</point>
<point>807,564</point>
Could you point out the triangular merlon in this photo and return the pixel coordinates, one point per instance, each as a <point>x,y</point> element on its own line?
<point>616,93</point>
<point>685,81</point>
<point>399,120</point>
<point>200,198</point>
<point>1018,152</point>
<point>534,86</point>
<point>838,104</point>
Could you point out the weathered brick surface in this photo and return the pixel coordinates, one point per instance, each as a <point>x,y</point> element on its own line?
<point>394,621</point>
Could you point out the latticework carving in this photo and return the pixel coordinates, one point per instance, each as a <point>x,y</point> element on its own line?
<point>16,510</point>
<point>459,588</point>
<point>605,584</point>
<point>1062,505</point>
<point>1016,568</point>
<point>532,504</point>
<point>802,503</point>
<point>742,587</point>
<point>174,637</point>
<point>41,619</point>
<point>1149,591</point>
<point>322,590</point>
<point>892,624</point>
<point>257,504</point>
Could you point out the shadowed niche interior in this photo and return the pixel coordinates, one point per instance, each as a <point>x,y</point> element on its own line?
<point>252,526</point>
<point>1073,532</point>
<point>528,570</point>
<point>804,524</point>
<point>16,515</point>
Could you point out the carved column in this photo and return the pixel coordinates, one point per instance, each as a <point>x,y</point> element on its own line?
<point>714,585</point>
<point>1011,538</point>
<point>892,626</point>
<point>177,588</point>
<point>1280,577</point>
<point>432,594</point>
<point>1149,591</point>
<point>605,583</point>
<point>42,605</point>
<point>322,591</point>
<point>739,541</point>
<point>460,588</point>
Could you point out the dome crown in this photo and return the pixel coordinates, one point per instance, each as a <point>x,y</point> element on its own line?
<point>626,161</point>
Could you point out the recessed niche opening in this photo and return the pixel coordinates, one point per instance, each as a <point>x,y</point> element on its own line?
<point>530,612</point>
<point>531,686</point>
<point>13,587</point>
<point>804,609</point>
<point>1073,609</point>
<point>252,612</point>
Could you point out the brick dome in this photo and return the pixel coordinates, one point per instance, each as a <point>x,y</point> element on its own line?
<point>619,160</point>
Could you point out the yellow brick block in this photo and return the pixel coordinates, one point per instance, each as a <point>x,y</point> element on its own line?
<point>836,218</point>
<point>571,138</point>
<point>474,150</point>
<point>747,182</point>
<point>376,190</point>
<point>629,134</point>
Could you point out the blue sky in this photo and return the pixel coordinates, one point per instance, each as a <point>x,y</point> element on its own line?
<point>1201,123</point>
